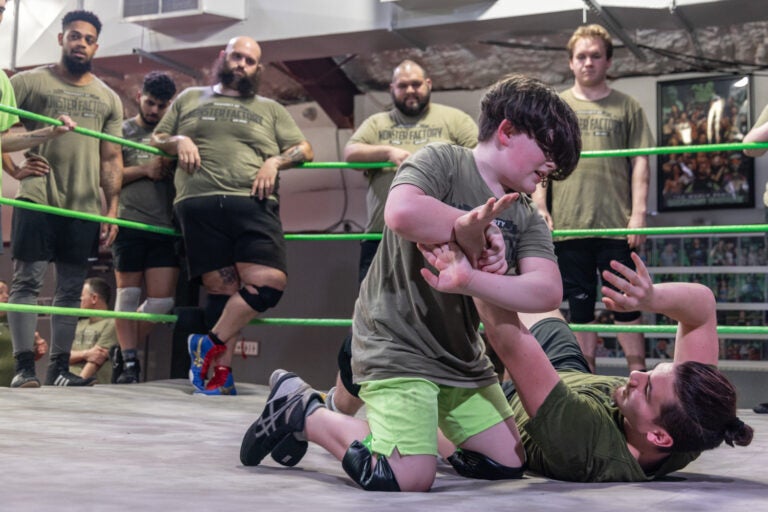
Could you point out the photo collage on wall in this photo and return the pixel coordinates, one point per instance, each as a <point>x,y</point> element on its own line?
<point>742,280</point>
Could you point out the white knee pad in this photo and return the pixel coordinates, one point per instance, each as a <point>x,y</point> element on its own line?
<point>157,305</point>
<point>127,299</point>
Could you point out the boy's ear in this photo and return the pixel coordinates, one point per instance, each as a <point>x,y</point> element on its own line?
<point>504,131</point>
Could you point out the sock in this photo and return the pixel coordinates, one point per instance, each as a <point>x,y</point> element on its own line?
<point>215,339</point>
<point>329,403</point>
<point>130,354</point>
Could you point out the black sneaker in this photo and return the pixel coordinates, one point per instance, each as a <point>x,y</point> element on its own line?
<point>130,374</point>
<point>289,403</point>
<point>25,378</point>
<point>116,358</point>
<point>67,379</point>
<point>59,374</point>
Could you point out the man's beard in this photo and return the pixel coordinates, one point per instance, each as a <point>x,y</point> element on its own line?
<point>412,111</point>
<point>76,67</point>
<point>147,122</point>
<point>247,85</point>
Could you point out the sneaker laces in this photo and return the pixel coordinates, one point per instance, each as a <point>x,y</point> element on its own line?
<point>220,376</point>
<point>213,353</point>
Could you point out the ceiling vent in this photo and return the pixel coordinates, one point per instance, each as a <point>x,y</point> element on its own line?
<point>182,15</point>
<point>431,5</point>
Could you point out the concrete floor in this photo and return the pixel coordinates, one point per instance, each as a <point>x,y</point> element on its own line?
<point>157,447</point>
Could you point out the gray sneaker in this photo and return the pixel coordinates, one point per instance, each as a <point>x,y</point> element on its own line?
<point>289,402</point>
<point>25,379</point>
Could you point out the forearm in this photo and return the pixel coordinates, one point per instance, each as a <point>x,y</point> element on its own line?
<point>690,304</point>
<point>291,157</point>
<point>756,134</point>
<point>111,182</point>
<point>641,176</point>
<point>134,173</point>
<point>10,166</point>
<point>521,354</point>
<point>89,370</point>
<point>419,218</point>
<point>167,143</point>
<point>77,356</point>
<point>693,306</point>
<point>358,152</point>
<point>24,140</point>
<point>531,292</point>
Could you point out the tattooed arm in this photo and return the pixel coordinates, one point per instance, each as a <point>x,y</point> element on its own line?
<point>24,140</point>
<point>111,179</point>
<point>264,184</point>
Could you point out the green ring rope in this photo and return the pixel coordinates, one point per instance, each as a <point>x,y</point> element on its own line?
<point>345,322</point>
<point>83,131</point>
<point>87,216</point>
<point>662,150</point>
<point>24,308</point>
<point>676,230</point>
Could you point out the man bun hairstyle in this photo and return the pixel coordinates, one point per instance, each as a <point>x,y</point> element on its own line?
<point>704,414</point>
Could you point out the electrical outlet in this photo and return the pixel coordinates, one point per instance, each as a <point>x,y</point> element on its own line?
<point>247,348</point>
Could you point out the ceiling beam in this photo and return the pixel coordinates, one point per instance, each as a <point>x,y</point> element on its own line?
<point>615,28</point>
<point>328,85</point>
<point>683,21</point>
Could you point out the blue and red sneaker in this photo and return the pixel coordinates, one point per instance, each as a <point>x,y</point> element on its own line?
<point>222,383</point>
<point>202,351</point>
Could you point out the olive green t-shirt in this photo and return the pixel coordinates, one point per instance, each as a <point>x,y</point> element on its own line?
<point>598,193</point>
<point>8,99</point>
<point>89,334</point>
<point>578,435</point>
<point>234,136</point>
<point>144,200</point>
<point>402,327</point>
<point>437,123</point>
<point>74,159</point>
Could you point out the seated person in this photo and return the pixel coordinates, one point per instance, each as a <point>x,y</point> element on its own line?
<point>94,336</point>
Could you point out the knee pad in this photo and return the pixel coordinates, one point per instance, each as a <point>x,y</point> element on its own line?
<point>157,305</point>
<point>214,305</point>
<point>471,464</point>
<point>267,297</point>
<point>581,308</point>
<point>357,463</point>
<point>127,299</point>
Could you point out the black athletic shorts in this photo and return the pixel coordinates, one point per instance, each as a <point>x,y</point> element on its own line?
<point>580,260</point>
<point>135,250</point>
<point>38,236</point>
<point>344,360</point>
<point>561,347</point>
<point>220,231</point>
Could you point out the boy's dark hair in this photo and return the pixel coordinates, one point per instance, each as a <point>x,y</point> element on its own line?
<point>86,16</point>
<point>100,287</point>
<point>593,31</point>
<point>159,85</point>
<point>704,414</point>
<point>536,110</point>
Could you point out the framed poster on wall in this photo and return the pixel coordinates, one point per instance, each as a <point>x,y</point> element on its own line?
<point>703,111</point>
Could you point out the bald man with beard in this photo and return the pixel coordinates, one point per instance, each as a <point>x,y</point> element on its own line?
<point>230,144</point>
